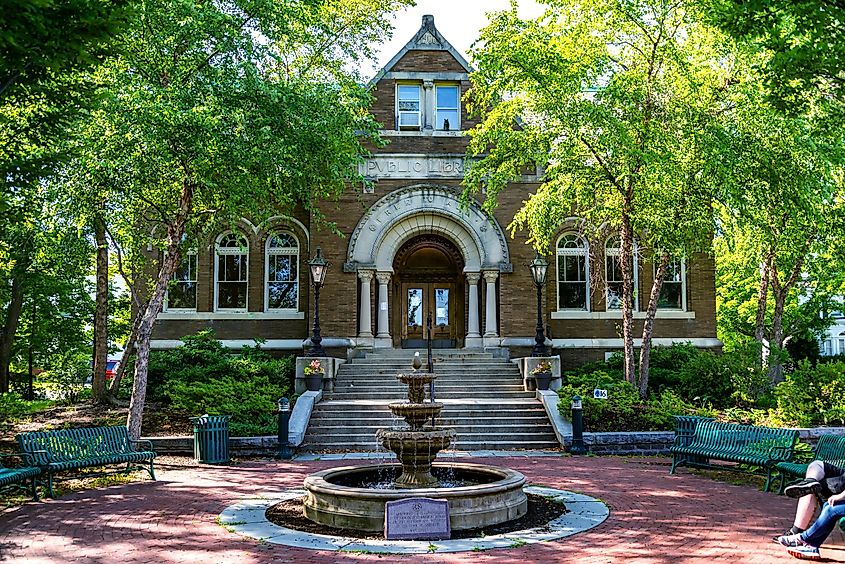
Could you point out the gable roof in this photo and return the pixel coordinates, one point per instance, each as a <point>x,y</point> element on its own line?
<point>426,39</point>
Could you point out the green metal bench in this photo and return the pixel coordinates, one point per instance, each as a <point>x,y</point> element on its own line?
<point>748,445</point>
<point>71,449</point>
<point>830,448</point>
<point>19,474</point>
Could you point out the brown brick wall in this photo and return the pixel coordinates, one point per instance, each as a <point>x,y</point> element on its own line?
<point>245,328</point>
<point>427,61</point>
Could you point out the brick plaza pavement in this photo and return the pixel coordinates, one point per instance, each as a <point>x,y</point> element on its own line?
<point>654,518</point>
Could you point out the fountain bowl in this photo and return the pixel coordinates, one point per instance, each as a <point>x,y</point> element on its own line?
<point>335,497</point>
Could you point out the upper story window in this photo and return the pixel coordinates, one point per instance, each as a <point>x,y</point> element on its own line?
<point>409,104</point>
<point>182,291</point>
<point>613,274</point>
<point>673,293</point>
<point>447,114</point>
<point>231,272</point>
<point>573,286</point>
<point>282,259</point>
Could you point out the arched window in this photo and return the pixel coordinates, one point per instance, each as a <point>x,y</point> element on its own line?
<point>673,293</point>
<point>841,343</point>
<point>230,271</point>
<point>573,280</point>
<point>282,260</point>
<point>182,291</point>
<point>613,274</point>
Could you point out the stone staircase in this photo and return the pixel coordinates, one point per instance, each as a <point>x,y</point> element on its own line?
<point>483,397</point>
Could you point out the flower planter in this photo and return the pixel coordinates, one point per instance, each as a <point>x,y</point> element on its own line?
<point>314,382</point>
<point>543,380</point>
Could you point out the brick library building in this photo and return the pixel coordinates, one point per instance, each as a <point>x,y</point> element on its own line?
<point>410,250</point>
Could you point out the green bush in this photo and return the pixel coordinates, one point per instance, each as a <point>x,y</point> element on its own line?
<point>623,409</point>
<point>67,380</point>
<point>203,377</point>
<point>812,395</point>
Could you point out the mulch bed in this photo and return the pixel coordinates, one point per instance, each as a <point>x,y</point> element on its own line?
<point>541,510</point>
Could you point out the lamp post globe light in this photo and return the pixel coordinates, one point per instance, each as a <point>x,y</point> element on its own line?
<point>539,267</point>
<point>318,266</point>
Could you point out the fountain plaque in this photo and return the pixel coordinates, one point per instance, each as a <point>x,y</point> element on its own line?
<point>420,518</point>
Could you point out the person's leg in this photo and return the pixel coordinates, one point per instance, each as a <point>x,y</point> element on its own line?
<point>807,504</point>
<point>828,518</point>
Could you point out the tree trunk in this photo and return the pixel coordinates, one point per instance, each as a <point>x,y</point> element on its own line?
<point>626,253</point>
<point>648,324</point>
<point>127,353</point>
<point>101,315</point>
<point>10,327</point>
<point>762,297</point>
<point>169,263</point>
<point>145,330</point>
<point>776,344</point>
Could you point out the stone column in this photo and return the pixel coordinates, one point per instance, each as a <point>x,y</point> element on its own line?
<point>428,104</point>
<point>383,335</point>
<point>473,339</point>
<point>365,329</point>
<point>490,319</point>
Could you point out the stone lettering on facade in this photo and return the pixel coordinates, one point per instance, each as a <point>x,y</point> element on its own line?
<point>412,166</point>
<point>417,518</point>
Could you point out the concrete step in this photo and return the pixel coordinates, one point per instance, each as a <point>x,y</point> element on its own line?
<point>402,390</point>
<point>439,370</point>
<point>330,446</point>
<point>392,396</point>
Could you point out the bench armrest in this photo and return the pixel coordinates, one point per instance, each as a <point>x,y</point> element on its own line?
<point>780,453</point>
<point>145,442</point>
<point>25,457</point>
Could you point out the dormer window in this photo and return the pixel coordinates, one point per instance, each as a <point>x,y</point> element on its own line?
<point>446,113</point>
<point>409,106</point>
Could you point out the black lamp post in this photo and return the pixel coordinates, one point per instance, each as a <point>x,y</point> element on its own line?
<point>318,266</point>
<point>539,266</point>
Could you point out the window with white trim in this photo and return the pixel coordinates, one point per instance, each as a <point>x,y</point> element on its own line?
<point>613,274</point>
<point>673,293</point>
<point>409,106</point>
<point>447,109</point>
<point>282,260</point>
<point>231,272</point>
<point>841,348</point>
<point>182,290</point>
<point>573,286</point>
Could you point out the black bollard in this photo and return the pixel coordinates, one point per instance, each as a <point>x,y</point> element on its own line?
<point>285,451</point>
<point>577,428</point>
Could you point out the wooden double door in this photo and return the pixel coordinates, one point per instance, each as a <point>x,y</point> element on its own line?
<point>421,299</point>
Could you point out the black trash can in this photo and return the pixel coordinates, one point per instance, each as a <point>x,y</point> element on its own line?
<point>211,438</point>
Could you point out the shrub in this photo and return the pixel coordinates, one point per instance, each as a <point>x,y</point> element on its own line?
<point>623,409</point>
<point>811,395</point>
<point>202,376</point>
<point>67,379</point>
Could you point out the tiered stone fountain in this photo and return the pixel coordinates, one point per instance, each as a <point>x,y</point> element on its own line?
<point>354,497</point>
<point>416,448</point>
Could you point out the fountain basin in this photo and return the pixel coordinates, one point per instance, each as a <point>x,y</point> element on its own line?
<point>334,499</point>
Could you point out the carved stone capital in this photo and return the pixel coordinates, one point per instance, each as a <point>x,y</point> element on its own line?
<point>365,275</point>
<point>473,277</point>
<point>383,277</point>
<point>490,276</point>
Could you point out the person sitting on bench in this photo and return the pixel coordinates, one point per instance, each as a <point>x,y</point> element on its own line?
<point>822,480</point>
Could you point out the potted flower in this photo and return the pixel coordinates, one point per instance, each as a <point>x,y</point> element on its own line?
<point>314,376</point>
<point>542,374</point>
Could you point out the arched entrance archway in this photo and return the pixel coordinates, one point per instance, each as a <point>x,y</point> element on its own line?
<point>428,281</point>
<point>403,216</point>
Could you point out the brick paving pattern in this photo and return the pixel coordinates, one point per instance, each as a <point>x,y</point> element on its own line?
<point>654,518</point>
